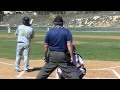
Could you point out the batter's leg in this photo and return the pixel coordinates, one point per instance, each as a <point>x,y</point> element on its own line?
<point>19,50</point>
<point>26,57</point>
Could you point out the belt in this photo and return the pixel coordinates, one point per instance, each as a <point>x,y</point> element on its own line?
<point>60,51</point>
<point>20,42</point>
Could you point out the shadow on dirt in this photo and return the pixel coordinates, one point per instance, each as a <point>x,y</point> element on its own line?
<point>34,69</point>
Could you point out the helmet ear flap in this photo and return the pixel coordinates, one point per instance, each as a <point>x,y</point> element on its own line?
<point>23,21</point>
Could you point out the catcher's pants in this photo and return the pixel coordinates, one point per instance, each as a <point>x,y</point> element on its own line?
<point>22,48</point>
<point>57,59</point>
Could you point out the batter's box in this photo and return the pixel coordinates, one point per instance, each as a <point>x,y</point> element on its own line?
<point>103,74</point>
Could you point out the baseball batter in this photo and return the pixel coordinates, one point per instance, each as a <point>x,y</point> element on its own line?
<point>79,66</point>
<point>24,35</point>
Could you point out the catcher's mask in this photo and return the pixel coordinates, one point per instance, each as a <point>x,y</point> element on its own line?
<point>26,20</point>
<point>58,21</point>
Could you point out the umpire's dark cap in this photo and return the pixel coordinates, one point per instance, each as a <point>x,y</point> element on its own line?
<point>58,20</point>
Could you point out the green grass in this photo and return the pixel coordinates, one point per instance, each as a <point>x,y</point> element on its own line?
<point>93,49</point>
<point>96,33</point>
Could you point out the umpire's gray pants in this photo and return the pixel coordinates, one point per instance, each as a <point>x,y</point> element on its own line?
<point>57,59</point>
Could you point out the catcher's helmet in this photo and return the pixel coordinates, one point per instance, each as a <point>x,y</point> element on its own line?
<point>26,20</point>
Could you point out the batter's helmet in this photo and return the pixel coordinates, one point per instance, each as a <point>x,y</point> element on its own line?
<point>26,20</point>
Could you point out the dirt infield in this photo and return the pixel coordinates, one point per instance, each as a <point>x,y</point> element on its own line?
<point>80,36</point>
<point>95,69</point>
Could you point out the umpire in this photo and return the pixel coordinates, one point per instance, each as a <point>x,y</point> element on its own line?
<point>59,41</point>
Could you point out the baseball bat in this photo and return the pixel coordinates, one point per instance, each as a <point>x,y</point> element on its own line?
<point>31,21</point>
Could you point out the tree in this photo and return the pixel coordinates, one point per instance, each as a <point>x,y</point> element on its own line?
<point>1,15</point>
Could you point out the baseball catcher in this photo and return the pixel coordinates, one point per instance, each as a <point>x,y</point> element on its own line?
<point>78,65</point>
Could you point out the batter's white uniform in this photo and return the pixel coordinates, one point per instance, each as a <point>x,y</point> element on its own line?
<point>77,60</point>
<point>24,35</point>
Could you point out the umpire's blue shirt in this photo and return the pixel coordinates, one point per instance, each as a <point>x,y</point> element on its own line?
<point>57,39</point>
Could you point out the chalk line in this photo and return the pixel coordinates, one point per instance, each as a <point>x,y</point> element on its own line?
<point>109,68</point>
<point>7,64</point>
<point>20,74</point>
<point>116,73</point>
<point>25,77</point>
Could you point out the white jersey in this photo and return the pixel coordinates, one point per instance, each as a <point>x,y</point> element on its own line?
<point>77,59</point>
<point>24,33</point>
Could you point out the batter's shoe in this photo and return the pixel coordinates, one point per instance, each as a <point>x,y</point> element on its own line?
<point>17,70</point>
